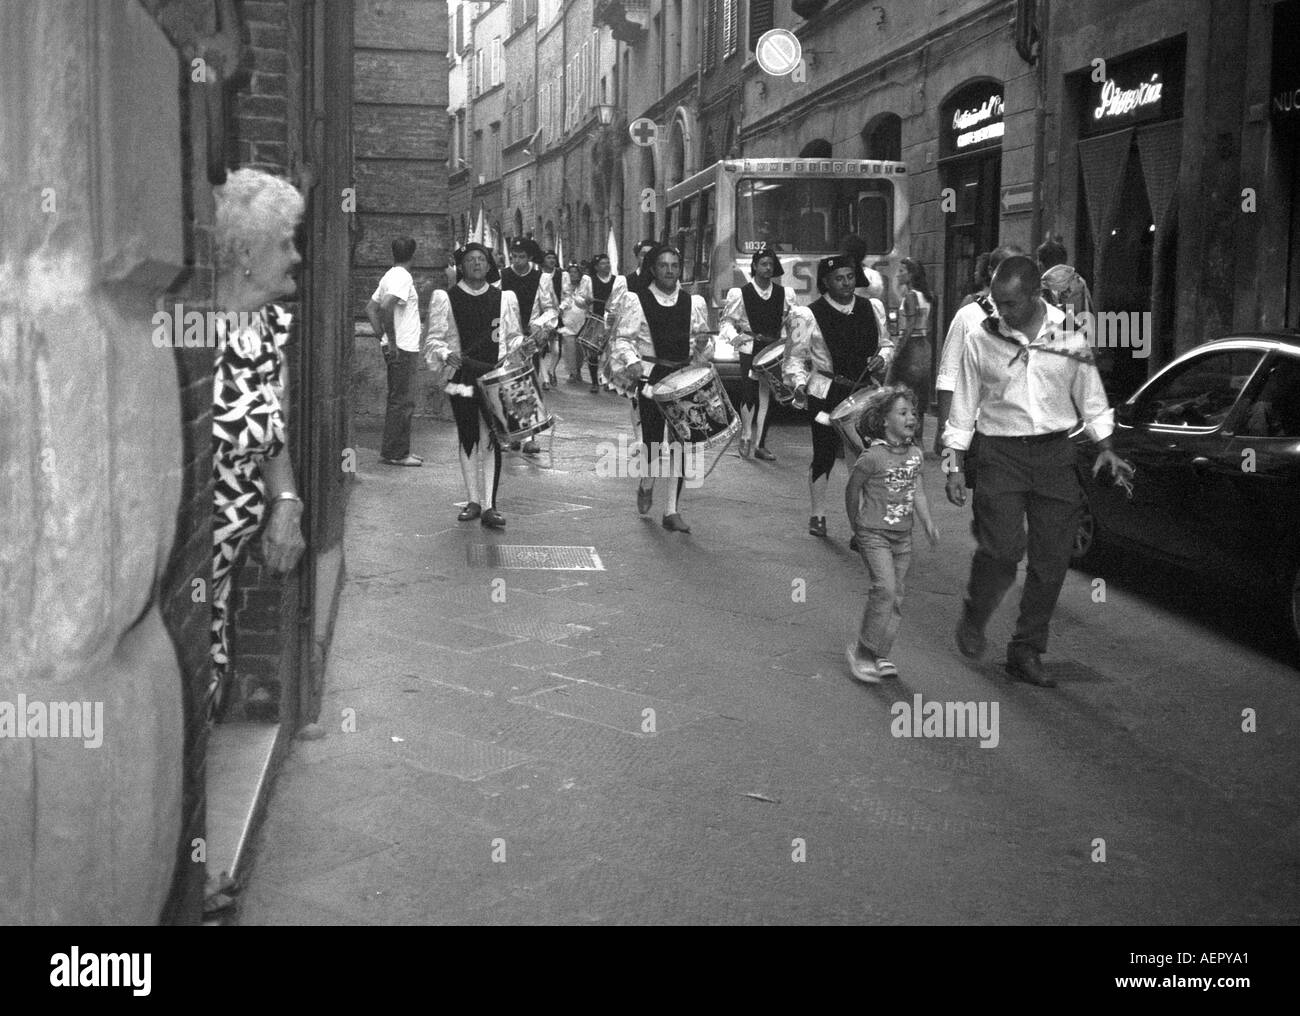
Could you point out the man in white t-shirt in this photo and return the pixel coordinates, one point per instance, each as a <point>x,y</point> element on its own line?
<point>394,313</point>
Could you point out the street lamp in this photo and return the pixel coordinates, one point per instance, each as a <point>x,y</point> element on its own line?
<point>605,114</point>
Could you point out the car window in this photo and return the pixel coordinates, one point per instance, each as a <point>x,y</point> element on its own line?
<point>1199,393</point>
<point>1275,409</point>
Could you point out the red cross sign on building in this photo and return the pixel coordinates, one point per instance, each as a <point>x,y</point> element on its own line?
<point>644,131</point>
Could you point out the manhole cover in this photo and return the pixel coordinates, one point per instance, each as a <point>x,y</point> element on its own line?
<point>498,555</point>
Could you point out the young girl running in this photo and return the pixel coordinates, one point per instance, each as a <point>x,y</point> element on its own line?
<point>884,491</point>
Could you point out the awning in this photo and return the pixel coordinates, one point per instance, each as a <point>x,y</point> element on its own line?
<point>1160,149</point>
<point>1104,160</point>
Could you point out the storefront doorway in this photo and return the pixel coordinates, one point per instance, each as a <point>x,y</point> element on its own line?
<point>970,175</point>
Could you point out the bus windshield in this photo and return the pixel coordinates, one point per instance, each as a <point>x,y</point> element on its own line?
<point>812,215</point>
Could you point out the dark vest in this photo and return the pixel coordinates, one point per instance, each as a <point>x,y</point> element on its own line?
<point>525,288</point>
<point>600,294</point>
<point>851,339</point>
<point>670,327</point>
<point>634,282</point>
<point>764,315</point>
<point>474,316</point>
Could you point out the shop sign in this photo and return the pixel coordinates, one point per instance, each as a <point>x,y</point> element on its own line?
<point>1135,89</point>
<point>1284,96</point>
<point>973,120</point>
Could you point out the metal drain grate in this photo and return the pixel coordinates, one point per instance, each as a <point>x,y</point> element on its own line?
<point>498,555</point>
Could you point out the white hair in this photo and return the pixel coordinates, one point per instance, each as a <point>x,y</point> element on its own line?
<point>252,205</point>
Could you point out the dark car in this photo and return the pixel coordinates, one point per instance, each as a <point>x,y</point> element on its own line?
<point>1215,439</point>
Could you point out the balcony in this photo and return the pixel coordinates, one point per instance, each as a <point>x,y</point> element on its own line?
<point>628,20</point>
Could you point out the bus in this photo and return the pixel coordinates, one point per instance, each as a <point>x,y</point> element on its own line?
<point>802,207</point>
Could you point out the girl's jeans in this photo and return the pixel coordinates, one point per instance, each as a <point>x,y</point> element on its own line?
<point>887,555</point>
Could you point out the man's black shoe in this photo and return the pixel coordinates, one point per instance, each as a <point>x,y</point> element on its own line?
<point>970,640</point>
<point>493,519</point>
<point>1024,663</point>
<point>472,511</point>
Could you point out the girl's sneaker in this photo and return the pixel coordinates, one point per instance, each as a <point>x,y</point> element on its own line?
<point>862,668</point>
<point>886,669</point>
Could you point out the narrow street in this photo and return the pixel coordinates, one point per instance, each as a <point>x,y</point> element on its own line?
<point>673,738</point>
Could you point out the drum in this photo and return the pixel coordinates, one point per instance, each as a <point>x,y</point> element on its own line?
<point>695,404</point>
<point>767,367</point>
<point>844,420</point>
<point>593,336</point>
<point>514,402</point>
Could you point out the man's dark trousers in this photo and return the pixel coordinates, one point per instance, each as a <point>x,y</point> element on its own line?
<point>401,406</point>
<point>1023,479</point>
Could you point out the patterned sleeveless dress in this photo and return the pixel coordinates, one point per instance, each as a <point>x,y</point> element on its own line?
<point>248,426</point>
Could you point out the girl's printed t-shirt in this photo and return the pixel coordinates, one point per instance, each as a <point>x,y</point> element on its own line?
<point>890,490</point>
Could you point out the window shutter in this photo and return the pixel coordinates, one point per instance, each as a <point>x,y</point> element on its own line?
<point>730,19</point>
<point>710,35</point>
<point>762,18</point>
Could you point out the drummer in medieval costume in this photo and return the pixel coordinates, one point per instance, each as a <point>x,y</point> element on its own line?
<point>754,316</point>
<point>472,327</point>
<point>598,294</point>
<point>523,278</point>
<point>659,330</point>
<point>554,276</point>
<point>836,346</point>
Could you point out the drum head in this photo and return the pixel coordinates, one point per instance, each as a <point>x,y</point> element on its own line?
<point>684,380</point>
<point>501,374</point>
<point>770,355</point>
<point>851,406</point>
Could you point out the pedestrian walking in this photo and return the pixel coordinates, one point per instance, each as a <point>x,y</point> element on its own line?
<point>754,316</point>
<point>394,314</point>
<point>1024,382</point>
<point>912,350</point>
<point>660,329</point>
<point>836,345</point>
<point>969,318</point>
<point>472,327</point>
<point>885,491</point>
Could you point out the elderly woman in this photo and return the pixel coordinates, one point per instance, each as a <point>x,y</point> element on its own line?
<point>256,215</point>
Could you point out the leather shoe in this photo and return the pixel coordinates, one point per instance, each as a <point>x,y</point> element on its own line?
<point>817,525</point>
<point>970,640</point>
<point>645,497</point>
<point>674,524</point>
<point>514,446</point>
<point>762,453</point>
<point>472,511</point>
<point>1025,664</point>
<point>493,519</point>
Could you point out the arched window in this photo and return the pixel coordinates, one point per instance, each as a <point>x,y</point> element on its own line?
<point>882,138</point>
<point>818,148</point>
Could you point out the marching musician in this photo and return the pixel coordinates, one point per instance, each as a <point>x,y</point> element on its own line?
<point>666,325</point>
<point>523,278</point>
<point>471,328</point>
<point>571,322</point>
<point>836,344</point>
<point>754,316</point>
<point>552,272</point>
<point>597,295</point>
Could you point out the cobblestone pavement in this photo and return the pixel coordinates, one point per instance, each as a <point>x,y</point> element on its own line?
<point>673,737</point>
